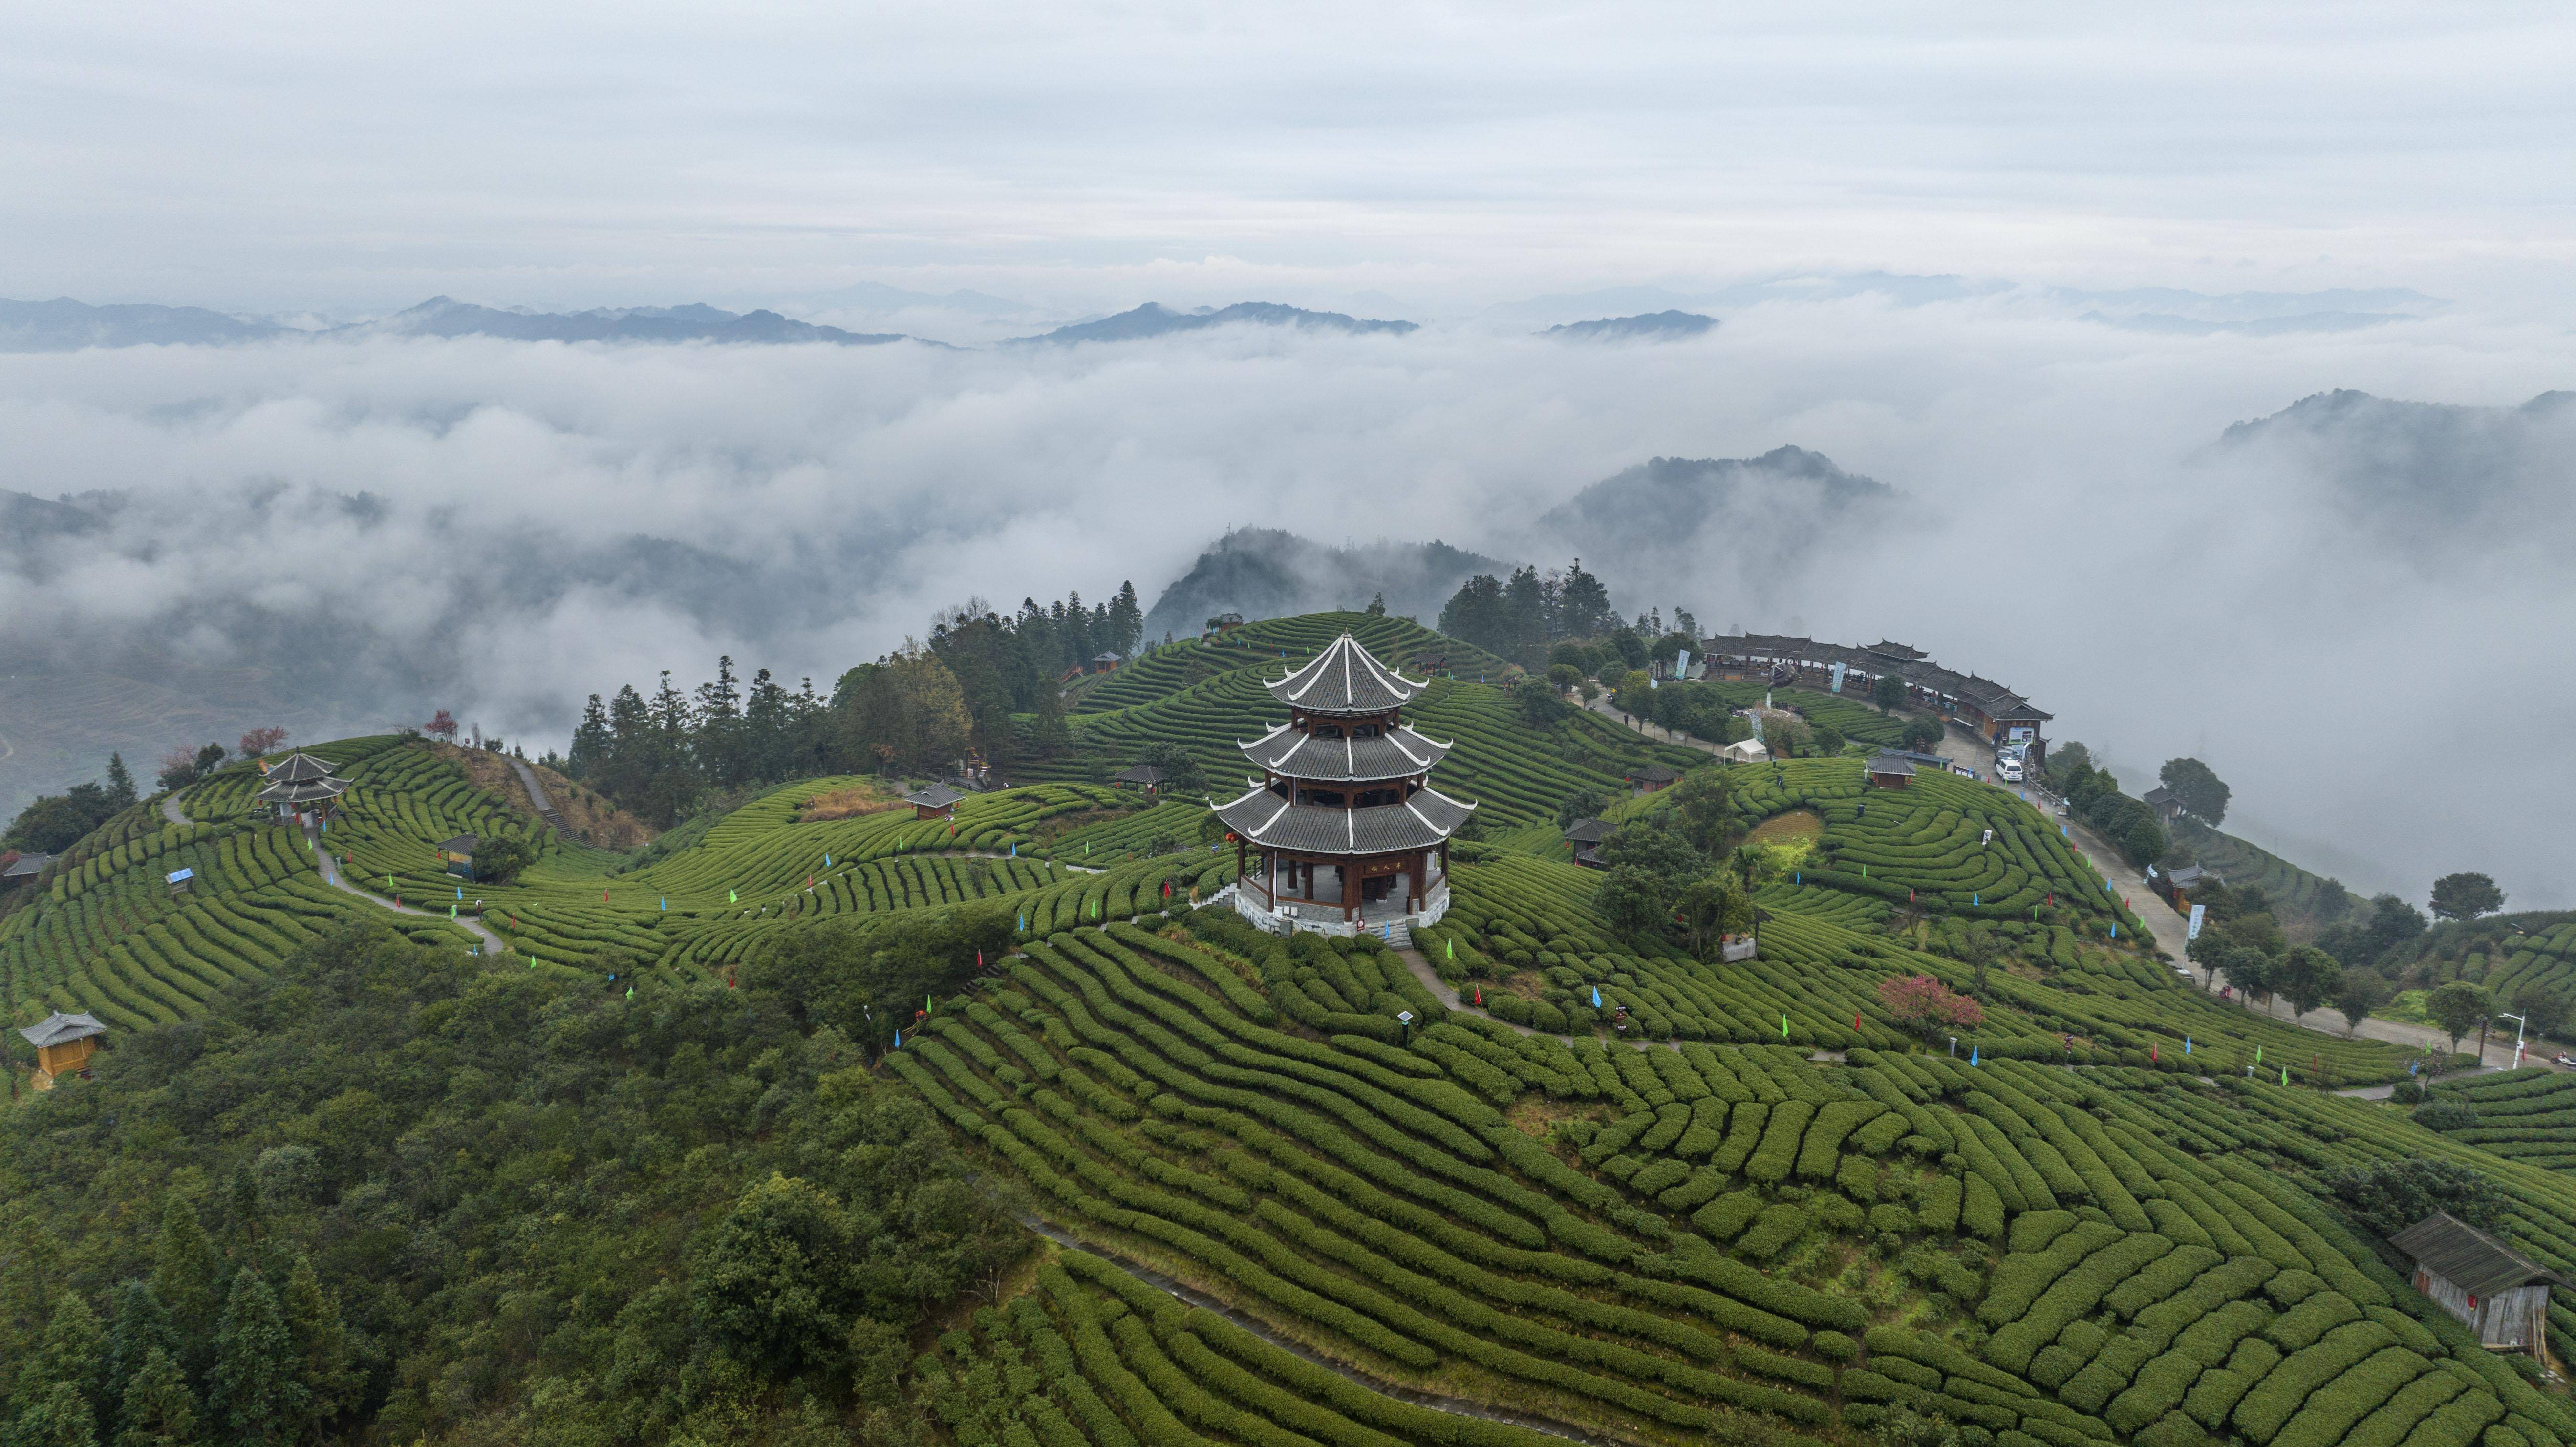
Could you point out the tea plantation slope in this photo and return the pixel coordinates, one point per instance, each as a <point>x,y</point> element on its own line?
<point>107,935</point>
<point>1100,1356</point>
<point>1269,645</point>
<point>1515,773</point>
<point>1528,926</point>
<point>1709,1239</point>
<point>2526,1115</point>
<point>697,910</point>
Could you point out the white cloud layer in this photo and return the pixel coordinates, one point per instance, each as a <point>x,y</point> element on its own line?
<point>2375,681</point>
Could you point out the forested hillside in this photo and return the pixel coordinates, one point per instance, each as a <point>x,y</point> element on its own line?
<point>815,1119</point>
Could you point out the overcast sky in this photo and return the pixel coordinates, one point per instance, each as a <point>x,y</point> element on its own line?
<point>1435,162</point>
<point>278,156</point>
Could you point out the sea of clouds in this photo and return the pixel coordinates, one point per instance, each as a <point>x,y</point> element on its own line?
<point>505,528</point>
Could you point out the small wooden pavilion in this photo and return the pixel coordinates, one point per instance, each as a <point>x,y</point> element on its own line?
<point>1143,776</point>
<point>933,801</point>
<point>1584,837</point>
<point>1891,771</point>
<point>64,1044</point>
<point>299,782</point>
<point>2501,1294</point>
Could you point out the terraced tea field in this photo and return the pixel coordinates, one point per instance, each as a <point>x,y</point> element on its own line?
<point>108,936</point>
<point>1720,1239</point>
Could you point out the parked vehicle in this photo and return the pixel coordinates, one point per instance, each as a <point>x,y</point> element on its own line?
<point>2008,770</point>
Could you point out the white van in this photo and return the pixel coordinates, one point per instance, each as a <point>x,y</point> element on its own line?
<point>2008,769</point>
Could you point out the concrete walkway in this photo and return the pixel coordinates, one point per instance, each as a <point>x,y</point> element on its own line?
<point>332,876</point>
<point>545,807</point>
<point>170,808</point>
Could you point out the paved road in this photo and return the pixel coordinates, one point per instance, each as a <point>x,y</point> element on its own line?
<point>537,796</point>
<point>170,809</point>
<point>1604,707</point>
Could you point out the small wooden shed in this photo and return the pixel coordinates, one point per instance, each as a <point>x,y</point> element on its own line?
<point>933,801</point>
<point>2503,1296</point>
<point>64,1044</point>
<point>1584,837</point>
<point>1654,777</point>
<point>458,855</point>
<point>179,881</point>
<point>1891,771</point>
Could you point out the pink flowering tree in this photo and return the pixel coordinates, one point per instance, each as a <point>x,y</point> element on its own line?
<point>1923,1004</point>
<point>441,727</point>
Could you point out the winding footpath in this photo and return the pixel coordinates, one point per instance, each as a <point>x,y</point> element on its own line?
<point>330,869</point>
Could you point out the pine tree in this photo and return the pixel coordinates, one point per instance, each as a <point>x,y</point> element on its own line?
<point>590,742</point>
<point>73,1350</point>
<point>142,1327</point>
<point>61,1418</point>
<point>1049,734</point>
<point>157,1410</point>
<point>1126,619</point>
<point>321,1345</point>
<point>186,1280</point>
<point>253,1392</point>
<point>120,781</point>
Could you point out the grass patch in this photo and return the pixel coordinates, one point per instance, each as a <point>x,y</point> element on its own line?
<point>1798,826</point>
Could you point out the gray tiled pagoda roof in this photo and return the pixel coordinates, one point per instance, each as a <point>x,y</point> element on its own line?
<point>933,796</point>
<point>298,768</point>
<point>1266,819</point>
<point>1344,678</point>
<point>1395,755</point>
<point>308,791</point>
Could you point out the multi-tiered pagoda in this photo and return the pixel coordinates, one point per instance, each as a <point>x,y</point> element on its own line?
<point>1349,832</point>
<point>299,782</point>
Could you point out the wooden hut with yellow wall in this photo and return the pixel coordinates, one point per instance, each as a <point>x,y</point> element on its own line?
<point>64,1044</point>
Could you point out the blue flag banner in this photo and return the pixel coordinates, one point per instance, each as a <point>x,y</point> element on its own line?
<point>1972,1055</point>
<point>1596,997</point>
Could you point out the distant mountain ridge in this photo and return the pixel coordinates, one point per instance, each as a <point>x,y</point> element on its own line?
<point>1156,320</point>
<point>446,317</point>
<point>1272,573</point>
<point>64,325</point>
<point>1760,518</point>
<point>2423,472</point>
<point>1653,326</point>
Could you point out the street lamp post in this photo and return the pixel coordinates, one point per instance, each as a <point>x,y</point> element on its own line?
<point>2518,1023</point>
